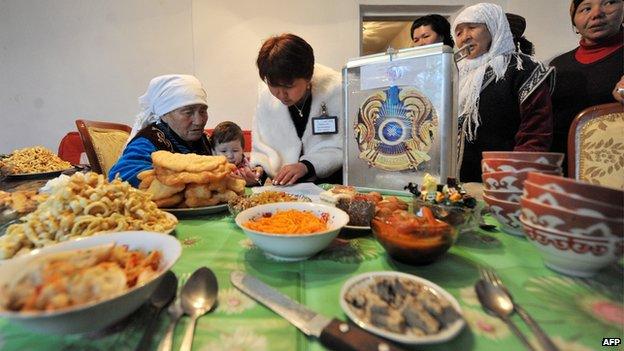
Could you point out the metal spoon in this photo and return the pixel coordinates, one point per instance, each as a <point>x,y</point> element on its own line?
<point>199,295</point>
<point>497,302</point>
<point>165,292</point>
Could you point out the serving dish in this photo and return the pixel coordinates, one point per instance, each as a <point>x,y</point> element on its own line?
<point>92,316</point>
<point>362,281</point>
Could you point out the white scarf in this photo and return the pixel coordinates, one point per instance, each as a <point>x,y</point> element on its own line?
<point>471,71</point>
<point>165,94</point>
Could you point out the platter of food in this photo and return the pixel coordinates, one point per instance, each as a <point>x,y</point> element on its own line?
<point>41,175</point>
<point>33,163</point>
<point>94,281</point>
<point>85,204</point>
<point>196,211</point>
<point>244,202</point>
<point>189,185</point>
<point>401,307</point>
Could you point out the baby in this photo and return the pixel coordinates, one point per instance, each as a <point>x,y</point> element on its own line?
<point>227,140</point>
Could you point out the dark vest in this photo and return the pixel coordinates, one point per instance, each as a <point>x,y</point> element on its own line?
<point>579,86</point>
<point>164,138</point>
<point>499,109</point>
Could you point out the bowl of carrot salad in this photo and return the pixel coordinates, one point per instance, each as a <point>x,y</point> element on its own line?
<point>292,231</point>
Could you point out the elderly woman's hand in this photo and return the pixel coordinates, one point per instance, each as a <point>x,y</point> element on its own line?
<point>289,174</point>
<point>618,92</point>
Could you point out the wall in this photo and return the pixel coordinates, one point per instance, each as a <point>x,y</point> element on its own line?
<point>67,59</point>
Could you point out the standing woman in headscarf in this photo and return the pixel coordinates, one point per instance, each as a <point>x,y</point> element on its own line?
<point>589,74</point>
<point>504,95</point>
<point>172,117</point>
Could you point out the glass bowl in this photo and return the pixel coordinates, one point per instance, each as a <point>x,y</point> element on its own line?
<point>412,244</point>
<point>464,219</point>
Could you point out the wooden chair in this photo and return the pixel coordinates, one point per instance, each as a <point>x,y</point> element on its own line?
<point>103,142</point>
<point>596,145</point>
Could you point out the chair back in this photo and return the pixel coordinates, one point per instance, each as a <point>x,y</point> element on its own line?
<point>596,145</point>
<point>103,143</point>
<point>70,148</point>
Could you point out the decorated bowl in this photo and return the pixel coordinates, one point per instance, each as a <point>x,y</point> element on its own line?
<point>505,165</point>
<point>547,158</point>
<point>507,214</point>
<point>573,254</point>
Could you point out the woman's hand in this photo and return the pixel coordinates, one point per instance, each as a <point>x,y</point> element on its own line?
<point>618,92</point>
<point>289,174</point>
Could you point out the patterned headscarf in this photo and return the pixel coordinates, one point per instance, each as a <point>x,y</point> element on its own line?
<point>472,71</point>
<point>165,94</point>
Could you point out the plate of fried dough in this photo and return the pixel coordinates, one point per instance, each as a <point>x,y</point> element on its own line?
<point>191,184</point>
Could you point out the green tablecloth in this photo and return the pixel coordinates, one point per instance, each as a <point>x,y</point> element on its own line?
<point>577,314</point>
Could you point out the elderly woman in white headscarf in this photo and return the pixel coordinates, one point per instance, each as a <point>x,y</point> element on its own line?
<point>172,117</point>
<point>504,95</point>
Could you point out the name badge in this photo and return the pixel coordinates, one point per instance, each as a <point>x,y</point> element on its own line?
<point>325,125</point>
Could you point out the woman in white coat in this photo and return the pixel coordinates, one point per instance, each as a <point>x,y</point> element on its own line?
<point>297,131</point>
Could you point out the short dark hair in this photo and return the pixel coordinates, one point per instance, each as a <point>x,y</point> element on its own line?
<point>284,58</point>
<point>439,24</point>
<point>225,132</point>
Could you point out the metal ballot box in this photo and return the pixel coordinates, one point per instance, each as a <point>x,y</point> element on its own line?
<point>400,122</point>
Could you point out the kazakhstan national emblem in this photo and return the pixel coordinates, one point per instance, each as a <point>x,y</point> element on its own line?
<point>396,128</point>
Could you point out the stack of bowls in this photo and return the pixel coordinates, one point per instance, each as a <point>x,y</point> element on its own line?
<point>504,173</point>
<point>577,227</point>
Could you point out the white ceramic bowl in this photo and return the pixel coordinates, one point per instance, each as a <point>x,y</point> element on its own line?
<point>97,315</point>
<point>369,278</point>
<point>293,247</point>
<point>573,254</point>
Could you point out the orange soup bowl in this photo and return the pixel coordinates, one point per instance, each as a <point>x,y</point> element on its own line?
<point>507,181</point>
<point>506,213</point>
<point>413,244</point>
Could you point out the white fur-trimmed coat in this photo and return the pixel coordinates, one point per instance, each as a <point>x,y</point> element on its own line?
<point>275,142</point>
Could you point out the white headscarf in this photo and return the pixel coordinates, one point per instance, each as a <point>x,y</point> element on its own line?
<point>165,94</point>
<point>471,71</point>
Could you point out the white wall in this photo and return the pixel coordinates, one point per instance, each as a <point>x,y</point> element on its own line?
<point>66,59</point>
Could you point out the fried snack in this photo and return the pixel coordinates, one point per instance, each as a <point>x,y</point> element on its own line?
<point>86,205</point>
<point>33,160</point>
<point>171,201</point>
<point>22,201</point>
<point>201,180</point>
<point>161,191</point>
<point>236,184</point>
<point>170,178</point>
<point>187,162</point>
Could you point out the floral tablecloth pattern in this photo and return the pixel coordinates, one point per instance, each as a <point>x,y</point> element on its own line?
<point>578,314</point>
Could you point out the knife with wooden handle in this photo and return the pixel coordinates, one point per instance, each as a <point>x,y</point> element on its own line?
<point>332,333</point>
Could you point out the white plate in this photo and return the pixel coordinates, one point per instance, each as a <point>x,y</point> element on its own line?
<point>367,278</point>
<point>96,315</point>
<point>196,211</point>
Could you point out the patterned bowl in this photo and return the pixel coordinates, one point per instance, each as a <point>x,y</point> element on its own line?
<point>592,192</point>
<point>511,196</point>
<point>504,165</point>
<point>506,213</point>
<point>507,181</point>
<point>589,222</point>
<point>547,158</point>
<point>571,254</point>
<point>569,201</point>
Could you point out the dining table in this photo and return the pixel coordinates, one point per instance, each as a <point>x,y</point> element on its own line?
<point>576,313</point>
